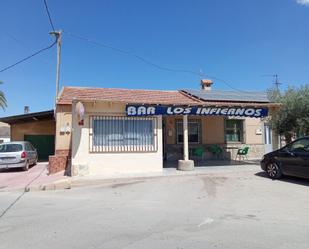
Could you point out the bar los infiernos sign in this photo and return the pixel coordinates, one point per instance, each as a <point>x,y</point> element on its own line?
<point>149,110</point>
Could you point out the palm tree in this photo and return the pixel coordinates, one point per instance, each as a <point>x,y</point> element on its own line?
<point>3,102</point>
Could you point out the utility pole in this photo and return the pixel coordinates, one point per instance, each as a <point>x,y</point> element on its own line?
<point>276,81</point>
<point>57,34</point>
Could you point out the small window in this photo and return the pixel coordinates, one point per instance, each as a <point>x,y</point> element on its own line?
<point>234,130</point>
<point>193,132</point>
<point>300,146</point>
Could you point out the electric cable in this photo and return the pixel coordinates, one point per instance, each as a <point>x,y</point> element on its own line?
<point>28,57</point>
<point>49,16</point>
<point>148,62</point>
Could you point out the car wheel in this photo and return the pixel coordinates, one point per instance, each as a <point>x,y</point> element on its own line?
<point>26,167</point>
<point>35,162</point>
<point>273,170</point>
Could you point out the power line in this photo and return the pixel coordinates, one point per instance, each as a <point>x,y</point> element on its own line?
<point>119,50</point>
<point>21,43</point>
<point>49,16</point>
<point>14,38</point>
<point>226,83</point>
<point>146,61</point>
<point>39,51</point>
<point>28,57</point>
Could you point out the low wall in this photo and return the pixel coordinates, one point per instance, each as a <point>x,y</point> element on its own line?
<point>117,163</point>
<point>58,162</point>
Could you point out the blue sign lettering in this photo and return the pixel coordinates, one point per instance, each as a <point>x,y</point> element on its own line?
<point>147,110</point>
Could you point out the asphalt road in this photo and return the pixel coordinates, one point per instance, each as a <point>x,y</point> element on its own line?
<point>228,210</point>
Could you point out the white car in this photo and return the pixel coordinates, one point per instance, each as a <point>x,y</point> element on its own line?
<point>17,155</point>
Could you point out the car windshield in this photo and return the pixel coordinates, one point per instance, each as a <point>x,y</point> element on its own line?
<point>300,146</point>
<point>10,147</point>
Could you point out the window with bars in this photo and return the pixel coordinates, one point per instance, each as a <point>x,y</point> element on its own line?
<point>122,134</point>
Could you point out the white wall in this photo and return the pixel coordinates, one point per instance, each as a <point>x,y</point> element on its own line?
<point>84,162</point>
<point>5,139</point>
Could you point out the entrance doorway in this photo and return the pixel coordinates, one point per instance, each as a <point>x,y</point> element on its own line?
<point>268,146</point>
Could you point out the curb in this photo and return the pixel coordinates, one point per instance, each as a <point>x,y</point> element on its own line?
<point>57,185</point>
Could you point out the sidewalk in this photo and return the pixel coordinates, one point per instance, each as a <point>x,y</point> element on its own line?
<point>36,178</point>
<point>84,181</point>
<point>169,172</point>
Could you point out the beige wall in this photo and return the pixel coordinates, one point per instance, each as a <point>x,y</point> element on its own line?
<point>252,127</point>
<point>44,127</point>
<point>84,162</point>
<point>213,130</point>
<point>64,119</point>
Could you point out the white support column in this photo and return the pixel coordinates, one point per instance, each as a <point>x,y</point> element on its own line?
<point>185,164</point>
<point>185,138</point>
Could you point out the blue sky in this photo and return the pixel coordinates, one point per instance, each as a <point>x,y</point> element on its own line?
<point>238,41</point>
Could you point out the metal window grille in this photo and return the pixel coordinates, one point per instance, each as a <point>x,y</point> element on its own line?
<point>122,134</point>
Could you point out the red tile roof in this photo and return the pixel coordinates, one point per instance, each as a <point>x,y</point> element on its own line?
<point>130,96</point>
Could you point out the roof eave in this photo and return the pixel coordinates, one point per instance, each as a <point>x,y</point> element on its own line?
<point>28,117</point>
<point>205,103</point>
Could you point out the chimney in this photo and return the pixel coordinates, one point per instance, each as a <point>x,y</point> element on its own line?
<point>26,109</point>
<point>206,84</point>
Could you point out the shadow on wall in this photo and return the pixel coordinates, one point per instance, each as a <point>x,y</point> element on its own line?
<point>75,139</point>
<point>68,169</point>
<point>288,179</point>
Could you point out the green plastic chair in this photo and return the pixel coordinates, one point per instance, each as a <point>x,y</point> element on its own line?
<point>216,150</point>
<point>199,152</point>
<point>242,153</point>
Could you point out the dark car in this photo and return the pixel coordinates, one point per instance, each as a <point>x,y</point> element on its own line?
<point>292,159</point>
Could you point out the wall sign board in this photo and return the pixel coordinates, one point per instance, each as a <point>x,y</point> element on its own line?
<point>150,110</point>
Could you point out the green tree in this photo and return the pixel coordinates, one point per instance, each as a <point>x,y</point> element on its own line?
<point>293,116</point>
<point>3,103</point>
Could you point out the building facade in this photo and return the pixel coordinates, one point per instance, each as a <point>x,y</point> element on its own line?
<point>112,131</point>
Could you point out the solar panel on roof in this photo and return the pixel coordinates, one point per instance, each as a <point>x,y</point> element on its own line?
<point>221,95</point>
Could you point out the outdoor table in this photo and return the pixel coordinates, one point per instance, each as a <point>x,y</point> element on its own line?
<point>232,148</point>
